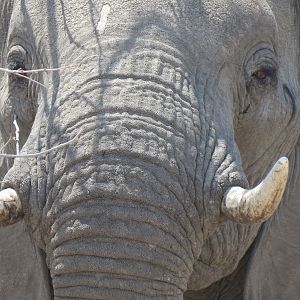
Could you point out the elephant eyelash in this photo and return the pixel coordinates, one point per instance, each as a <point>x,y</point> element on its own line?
<point>17,66</point>
<point>264,75</point>
<point>18,69</point>
<point>261,67</point>
<point>264,72</point>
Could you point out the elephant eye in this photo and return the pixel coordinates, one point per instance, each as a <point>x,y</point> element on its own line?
<point>260,74</point>
<point>264,75</point>
<point>17,60</point>
<point>17,66</point>
<point>261,67</point>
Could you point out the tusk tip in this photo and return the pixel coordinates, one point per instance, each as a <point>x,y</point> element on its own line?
<point>258,204</point>
<point>10,207</point>
<point>282,165</point>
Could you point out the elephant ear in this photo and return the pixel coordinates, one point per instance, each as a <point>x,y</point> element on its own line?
<point>23,272</point>
<point>5,16</point>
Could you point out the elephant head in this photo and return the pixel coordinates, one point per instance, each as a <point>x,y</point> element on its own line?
<point>148,130</point>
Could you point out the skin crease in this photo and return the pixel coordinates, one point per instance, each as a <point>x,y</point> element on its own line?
<point>155,110</point>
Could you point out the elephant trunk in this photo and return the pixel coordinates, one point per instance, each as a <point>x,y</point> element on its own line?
<point>127,236</point>
<point>115,268</point>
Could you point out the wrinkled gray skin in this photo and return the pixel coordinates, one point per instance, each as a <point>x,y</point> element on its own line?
<point>168,112</point>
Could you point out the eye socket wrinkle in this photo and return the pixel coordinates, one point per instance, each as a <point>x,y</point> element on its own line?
<point>261,67</point>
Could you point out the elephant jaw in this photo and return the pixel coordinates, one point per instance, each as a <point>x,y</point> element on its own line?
<point>10,207</point>
<point>258,204</point>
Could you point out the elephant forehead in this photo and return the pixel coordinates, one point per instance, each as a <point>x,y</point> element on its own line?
<point>228,24</point>
<point>233,13</point>
<point>208,28</point>
<point>191,13</point>
<point>218,24</point>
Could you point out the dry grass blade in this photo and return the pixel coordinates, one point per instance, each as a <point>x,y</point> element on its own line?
<point>45,70</point>
<point>20,73</point>
<point>9,140</point>
<point>40,153</point>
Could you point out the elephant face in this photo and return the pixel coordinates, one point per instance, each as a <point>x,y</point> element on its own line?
<point>263,127</point>
<point>154,110</point>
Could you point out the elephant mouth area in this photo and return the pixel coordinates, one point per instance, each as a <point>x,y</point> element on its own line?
<point>118,204</point>
<point>122,220</point>
<point>118,245</point>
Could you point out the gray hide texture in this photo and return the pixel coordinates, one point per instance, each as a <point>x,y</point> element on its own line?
<point>171,103</point>
<point>274,271</point>
<point>271,267</point>
<point>23,273</point>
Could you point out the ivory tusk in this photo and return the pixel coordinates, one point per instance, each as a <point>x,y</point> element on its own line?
<point>258,204</point>
<point>10,207</point>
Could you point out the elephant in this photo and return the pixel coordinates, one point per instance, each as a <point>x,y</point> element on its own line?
<point>159,149</point>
